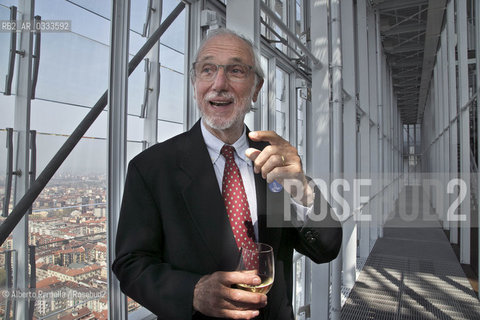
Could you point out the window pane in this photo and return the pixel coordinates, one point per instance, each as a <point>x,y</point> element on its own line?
<point>166,130</point>
<point>136,89</point>
<point>280,9</point>
<point>174,36</point>
<point>301,124</point>
<point>68,223</point>
<point>73,69</point>
<point>170,103</point>
<point>68,229</point>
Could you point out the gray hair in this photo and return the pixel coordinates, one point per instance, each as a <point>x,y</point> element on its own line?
<point>257,67</point>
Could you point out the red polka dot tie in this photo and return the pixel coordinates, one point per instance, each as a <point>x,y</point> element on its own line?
<point>236,201</point>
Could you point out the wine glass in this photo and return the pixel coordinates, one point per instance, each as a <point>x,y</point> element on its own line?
<point>259,261</point>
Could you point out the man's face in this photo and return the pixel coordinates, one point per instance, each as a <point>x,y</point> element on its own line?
<point>222,102</point>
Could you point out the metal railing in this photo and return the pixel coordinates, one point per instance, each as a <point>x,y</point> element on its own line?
<point>51,168</point>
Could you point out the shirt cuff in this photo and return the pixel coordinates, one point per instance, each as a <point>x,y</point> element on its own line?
<point>302,213</point>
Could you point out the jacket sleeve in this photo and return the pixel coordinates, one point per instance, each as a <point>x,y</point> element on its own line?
<point>320,238</point>
<point>139,265</point>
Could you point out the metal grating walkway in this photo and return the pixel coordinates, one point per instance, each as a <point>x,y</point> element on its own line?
<point>412,273</point>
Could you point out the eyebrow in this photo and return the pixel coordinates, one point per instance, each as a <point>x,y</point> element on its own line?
<point>234,59</point>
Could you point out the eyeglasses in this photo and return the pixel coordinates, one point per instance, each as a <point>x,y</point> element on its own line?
<point>208,71</point>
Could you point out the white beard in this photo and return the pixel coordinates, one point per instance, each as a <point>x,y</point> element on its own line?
<point>219,123</point>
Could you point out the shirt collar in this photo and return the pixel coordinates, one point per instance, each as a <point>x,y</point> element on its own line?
<point>214,145</point>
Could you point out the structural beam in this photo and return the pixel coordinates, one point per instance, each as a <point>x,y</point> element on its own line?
<point>318,142</point>
<point>436,10</point>
<point>117,143</point>
<point>464,126</point>
<point>22,164</point>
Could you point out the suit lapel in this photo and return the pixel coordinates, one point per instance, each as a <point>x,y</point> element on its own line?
<point>266,235</point>
<point>205,202</point>
<point>260,190</point>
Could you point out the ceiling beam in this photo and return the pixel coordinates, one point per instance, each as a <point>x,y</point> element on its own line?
<point>406,28</point>
<point>406,19</point>
<point>435,15</point>
<point>405,48</point>
<point>405,63</point>
<point>389,5</point>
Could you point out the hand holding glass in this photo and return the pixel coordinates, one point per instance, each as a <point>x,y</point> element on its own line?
<point>259,261</point>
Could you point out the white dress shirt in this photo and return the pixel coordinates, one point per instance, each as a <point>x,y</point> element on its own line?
<point>245,165</point>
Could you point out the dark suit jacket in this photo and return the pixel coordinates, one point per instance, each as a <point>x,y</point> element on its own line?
<point>174,229</point>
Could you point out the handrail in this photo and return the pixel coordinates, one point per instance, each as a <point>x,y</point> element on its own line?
<point>36,188</point>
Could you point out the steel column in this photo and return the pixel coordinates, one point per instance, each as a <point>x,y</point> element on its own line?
<point>22,163</point>
<point>464,127</point>
<point>374,166</point>
<point>380,83</point>
<point>117,143</point>
<point>318,142</point>
<point>363,90</point>
<point>446,123</point>
<point>477,66</point>
<point>452,103</point>
<point>337,142</point>
<point>350,137</point>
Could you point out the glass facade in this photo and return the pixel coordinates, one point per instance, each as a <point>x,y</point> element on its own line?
<point>67,227</point>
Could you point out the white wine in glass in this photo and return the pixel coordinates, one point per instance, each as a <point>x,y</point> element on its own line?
<point>259,261</point>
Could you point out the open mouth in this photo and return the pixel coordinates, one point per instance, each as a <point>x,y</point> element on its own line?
<point>220,103</point>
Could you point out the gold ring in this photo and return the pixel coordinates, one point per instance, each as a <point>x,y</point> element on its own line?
<point>283,160</point>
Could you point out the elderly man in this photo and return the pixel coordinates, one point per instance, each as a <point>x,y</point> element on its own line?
<point>177,243</point>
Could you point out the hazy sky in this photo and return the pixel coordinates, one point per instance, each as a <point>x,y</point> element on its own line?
<point>74,74</point>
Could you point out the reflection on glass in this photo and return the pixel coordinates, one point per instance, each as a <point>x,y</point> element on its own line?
<point>281,102</point>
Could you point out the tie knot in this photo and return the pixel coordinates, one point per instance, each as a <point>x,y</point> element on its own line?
<point>227,151</point>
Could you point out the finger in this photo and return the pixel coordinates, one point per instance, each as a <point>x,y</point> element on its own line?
<point>245,299</point>
<point>268,136</point>
<point>273,162</point>
<point>280,174</point>
<point>236,277</point>
<point>237,314</point>
<point>263,157</point>
<point>252,153</point>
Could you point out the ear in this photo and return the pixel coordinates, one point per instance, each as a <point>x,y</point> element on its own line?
<point>257,90</point>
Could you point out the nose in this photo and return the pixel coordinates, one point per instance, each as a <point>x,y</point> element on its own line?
<point>220,80</point>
